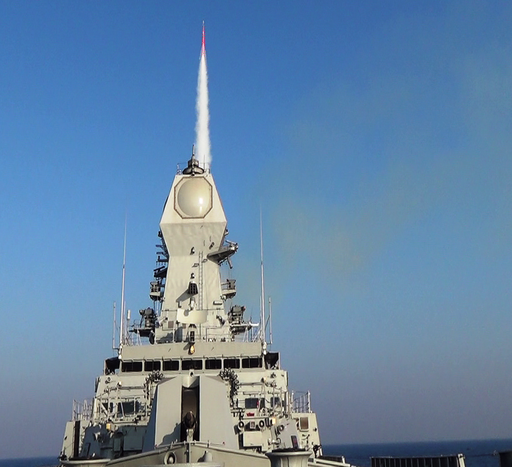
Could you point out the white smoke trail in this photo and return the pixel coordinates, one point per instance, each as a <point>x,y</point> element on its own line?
<point>203,154</point>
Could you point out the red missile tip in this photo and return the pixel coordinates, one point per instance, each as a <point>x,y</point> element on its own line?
<point>203,48</point>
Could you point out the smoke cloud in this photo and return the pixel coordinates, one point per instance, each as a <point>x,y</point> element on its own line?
<point>202,145</point>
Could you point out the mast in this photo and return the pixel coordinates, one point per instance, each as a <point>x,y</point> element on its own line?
<point>121,327</point>
<point>270,335</point>
<point>262,317</point>
<point>114,327</point>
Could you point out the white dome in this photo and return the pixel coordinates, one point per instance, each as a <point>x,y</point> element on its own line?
<point>193,197</point>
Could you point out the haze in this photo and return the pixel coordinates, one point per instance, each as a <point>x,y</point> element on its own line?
<point>375,136</point>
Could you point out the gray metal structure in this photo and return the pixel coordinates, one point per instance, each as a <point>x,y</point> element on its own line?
<point>193,381</point>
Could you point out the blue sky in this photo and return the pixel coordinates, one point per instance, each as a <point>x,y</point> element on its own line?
<point>374,135</point>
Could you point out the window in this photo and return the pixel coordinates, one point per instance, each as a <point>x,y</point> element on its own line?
<point>127,408</point>
<point>253,362</point>
<point>132,367</point>
<point>231,363</point>
<point>152,365</point>
<point>171,365</point>
<point>213,364</point>
<point>254,403</point>
<point>192,365</point>
<point>304,423</point>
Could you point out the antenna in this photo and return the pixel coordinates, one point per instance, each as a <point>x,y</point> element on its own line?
<point>262,317</point>
<point>271,338</point>
<point>114,328</point>
<point>123,304</point>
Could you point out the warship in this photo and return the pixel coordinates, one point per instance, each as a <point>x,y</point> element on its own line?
<point>193,381</point>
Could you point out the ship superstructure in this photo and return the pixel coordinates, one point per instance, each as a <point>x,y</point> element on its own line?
<point>192,372</point>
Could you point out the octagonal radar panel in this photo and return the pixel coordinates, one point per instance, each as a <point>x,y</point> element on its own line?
<point>193,197</point>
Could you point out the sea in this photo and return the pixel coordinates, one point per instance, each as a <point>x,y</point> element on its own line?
<point>481,453</point>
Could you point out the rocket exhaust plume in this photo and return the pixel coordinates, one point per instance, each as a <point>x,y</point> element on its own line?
<point>202,145</point>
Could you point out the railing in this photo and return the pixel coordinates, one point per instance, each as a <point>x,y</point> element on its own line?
<point>204,333</point>
<point>301,402</point>
<point>456,460</point>
<point>82,410</point>
<point>228,288</point>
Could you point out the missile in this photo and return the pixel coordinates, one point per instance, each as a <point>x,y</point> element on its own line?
<point>203,47</point>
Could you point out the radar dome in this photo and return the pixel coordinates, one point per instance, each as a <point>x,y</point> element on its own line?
<point>193,197</point>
